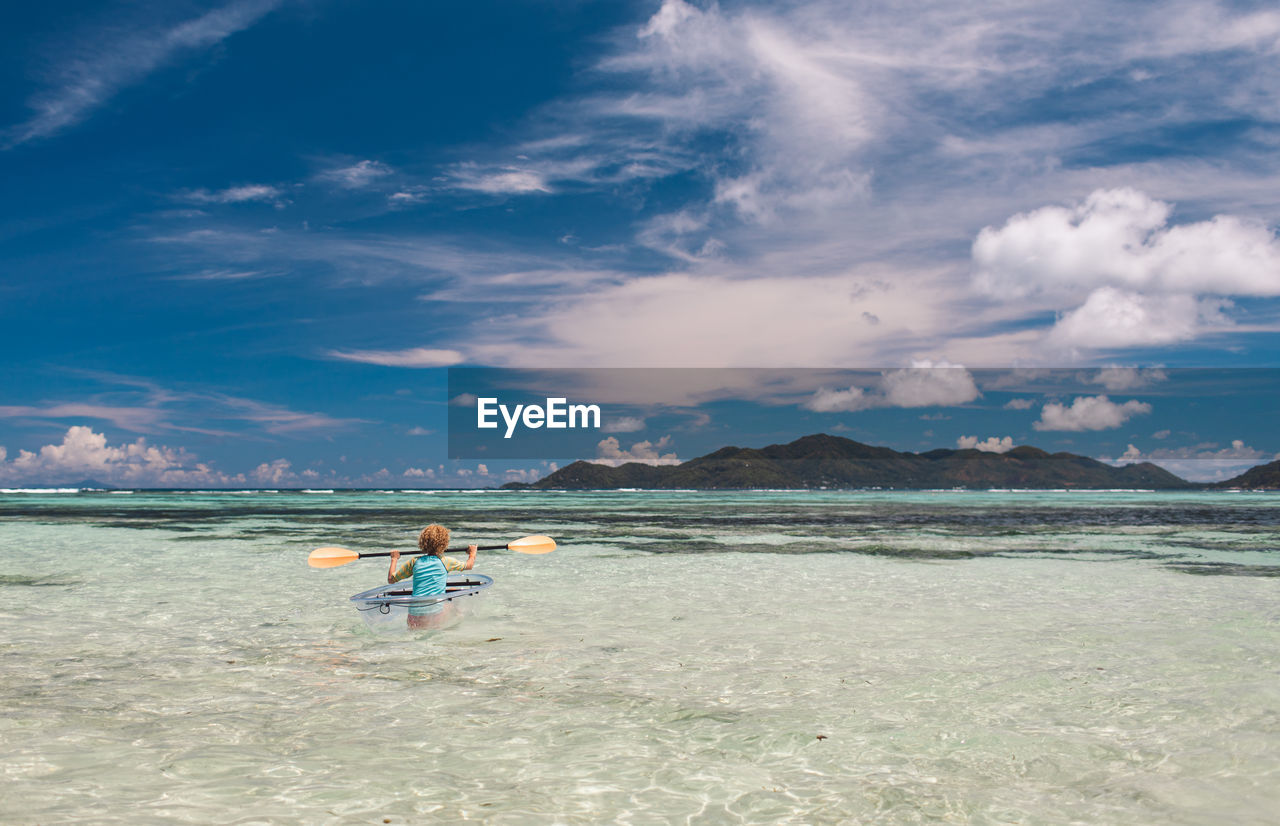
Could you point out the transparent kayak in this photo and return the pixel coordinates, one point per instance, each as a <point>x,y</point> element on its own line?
<point>394,607</point>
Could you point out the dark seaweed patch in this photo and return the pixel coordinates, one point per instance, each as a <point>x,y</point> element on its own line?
<point>35,581</point>
<point>915,553</point>
<point>1225,569</point>
<point>1159,529</point>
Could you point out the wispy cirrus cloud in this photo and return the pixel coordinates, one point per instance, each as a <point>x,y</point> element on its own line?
<point>624,424</point>
<point>277,419</point>
<point>500,180</point>
<point>447,267</point>
<point>223,275</point>
<point>234,195</point>
<point>139,419</point>
<point>143,406</point>
<point>356,176</point>
<point>411,357</point>
<point>577,153</point>
<point>92,70</point>
<point>867,185</point>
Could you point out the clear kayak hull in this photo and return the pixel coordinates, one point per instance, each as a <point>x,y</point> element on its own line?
<point>394,607</point>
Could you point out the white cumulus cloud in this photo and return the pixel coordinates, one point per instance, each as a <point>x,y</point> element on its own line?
<point>992,444</point>
<point>1122,274</point>
<point>1199,463</point>
<point>924,384</point>
<point>527,474</point>
<point>273,473</point>
<point>1089,413</point>
<point>1112,317</point>
<point>1122,238</point>
<point>610,452</point>
<point>85,453</point>
<point>624,424</point>
<point>826,400</point>
<point>1128,378</point>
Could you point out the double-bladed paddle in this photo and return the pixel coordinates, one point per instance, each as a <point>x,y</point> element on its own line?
<point>332,557</point>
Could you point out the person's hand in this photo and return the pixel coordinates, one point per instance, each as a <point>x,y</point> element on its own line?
<point>471,549</point>
<point>395,556</point>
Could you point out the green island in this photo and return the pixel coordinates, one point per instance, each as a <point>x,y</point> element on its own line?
<point>824,461</point>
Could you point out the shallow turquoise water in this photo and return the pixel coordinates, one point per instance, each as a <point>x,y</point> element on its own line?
<point>684,657</point>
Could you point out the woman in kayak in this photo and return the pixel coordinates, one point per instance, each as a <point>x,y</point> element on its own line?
<point>430,573</point>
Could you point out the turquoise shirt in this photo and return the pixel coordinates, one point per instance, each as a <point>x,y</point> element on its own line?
<point>430,574</point>
<point>429,578</point>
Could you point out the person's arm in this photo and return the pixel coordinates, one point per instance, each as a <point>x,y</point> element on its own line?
<point>405,570</point>
<point>454,565</point>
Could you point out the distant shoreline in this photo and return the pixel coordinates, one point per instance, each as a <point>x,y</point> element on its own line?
<point>1193,488</point>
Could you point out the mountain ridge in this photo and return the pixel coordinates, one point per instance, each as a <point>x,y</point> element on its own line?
<point>824,461</point>
<point>1262,477</point>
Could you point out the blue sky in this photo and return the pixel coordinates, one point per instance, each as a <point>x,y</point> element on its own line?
<point>241,242</point>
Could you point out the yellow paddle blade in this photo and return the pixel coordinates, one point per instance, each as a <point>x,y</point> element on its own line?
<point>331,557</point>
<point>533,545</point>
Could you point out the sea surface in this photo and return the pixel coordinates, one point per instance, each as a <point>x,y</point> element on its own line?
<point>683,657</point>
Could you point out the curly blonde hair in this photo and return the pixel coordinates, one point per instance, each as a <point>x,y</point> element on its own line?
<point>434,539</point>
